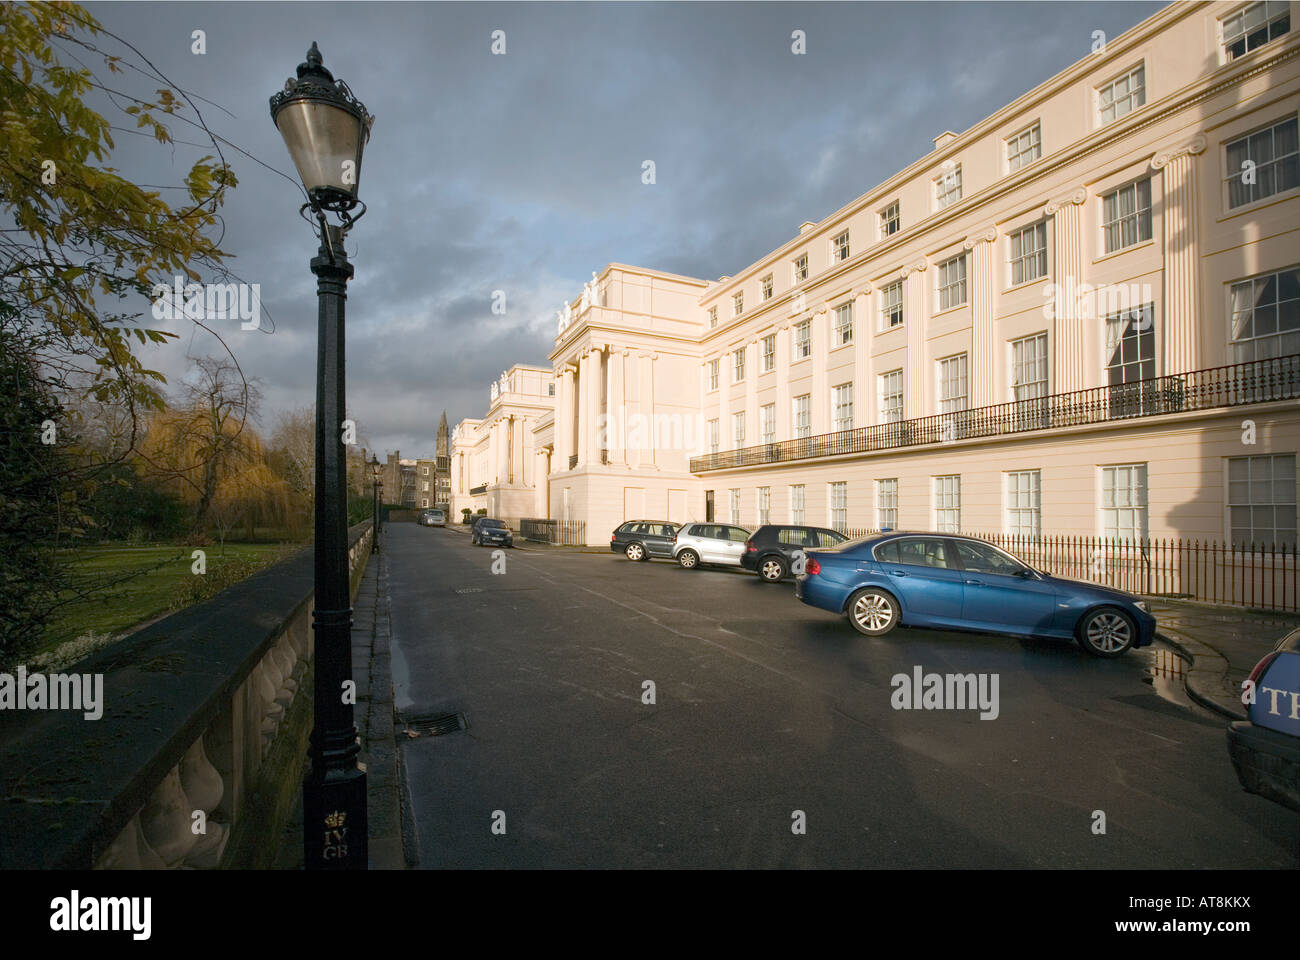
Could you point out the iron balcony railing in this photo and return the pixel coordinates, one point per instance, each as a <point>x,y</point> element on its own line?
<point>1257,381</point>
<point>480,489</point>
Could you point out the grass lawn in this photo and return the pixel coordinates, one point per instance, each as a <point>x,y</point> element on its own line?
<point>162,571</point>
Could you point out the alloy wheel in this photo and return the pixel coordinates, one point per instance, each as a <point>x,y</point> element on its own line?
<point>873,613</point>
<point>1108,633</point>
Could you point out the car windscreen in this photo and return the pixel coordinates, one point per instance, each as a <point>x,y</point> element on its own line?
<point>496,524</point>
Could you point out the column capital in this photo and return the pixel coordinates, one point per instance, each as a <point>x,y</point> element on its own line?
<point>862,291</point>
<point>984,236</point>
<point>1191,148</point>
<point>918,267</point>
<point>1075,197</point>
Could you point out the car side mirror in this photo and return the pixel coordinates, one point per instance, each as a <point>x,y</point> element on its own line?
<point>1024,573</point>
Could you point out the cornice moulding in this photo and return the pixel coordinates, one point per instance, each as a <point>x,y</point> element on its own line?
<point>1079,150</point>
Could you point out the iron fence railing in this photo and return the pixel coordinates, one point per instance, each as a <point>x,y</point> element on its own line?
<point>1257,381</point>
<point>564,533</point>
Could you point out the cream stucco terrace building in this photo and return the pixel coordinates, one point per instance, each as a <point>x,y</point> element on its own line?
<point>1079,316</point>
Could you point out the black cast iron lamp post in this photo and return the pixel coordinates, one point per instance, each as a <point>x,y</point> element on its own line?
<point>374,490</point>
<point>326,128</point>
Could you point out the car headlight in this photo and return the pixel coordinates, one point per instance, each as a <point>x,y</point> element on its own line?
<point>1141,605</point>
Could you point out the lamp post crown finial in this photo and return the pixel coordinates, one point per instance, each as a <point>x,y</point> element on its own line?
<point>314,65</point>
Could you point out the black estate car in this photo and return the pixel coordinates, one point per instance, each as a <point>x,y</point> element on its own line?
<point>770,552</point>
<point>488,532</point>
<point>643,539</point>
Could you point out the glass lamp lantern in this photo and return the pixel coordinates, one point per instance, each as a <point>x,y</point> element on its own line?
<point>326,129</point>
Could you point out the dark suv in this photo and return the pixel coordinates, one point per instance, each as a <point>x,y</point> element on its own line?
<point>643,539</point>
<point>770,552</point>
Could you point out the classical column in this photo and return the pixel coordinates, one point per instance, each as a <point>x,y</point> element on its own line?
<point>560,433</point>
<point>861,357</point>
<point>752,353</point>
<point>584,408</point>
<point>647,361</point>
<point>820,390</point>
<point>726,375</point>
<point>1068,347</point>
<point>516,449</point>
<point>983,287</point>
<point>594,408</point>
<point>914,380</point>
<point>1182,346</point>
<point>541,485</point>
<point>783,382</point>
<point>616,408</point>
<point>494,446</point>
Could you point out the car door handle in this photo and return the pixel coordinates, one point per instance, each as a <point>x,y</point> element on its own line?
<point>974,583</point>
<point>898,573</point>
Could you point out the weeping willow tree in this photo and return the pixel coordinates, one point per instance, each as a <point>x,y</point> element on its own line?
<point>207,453</point>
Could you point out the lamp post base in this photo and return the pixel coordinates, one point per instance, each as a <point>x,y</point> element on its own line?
<point>335,833</point>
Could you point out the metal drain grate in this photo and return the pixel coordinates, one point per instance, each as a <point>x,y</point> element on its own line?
<point>435,724</point>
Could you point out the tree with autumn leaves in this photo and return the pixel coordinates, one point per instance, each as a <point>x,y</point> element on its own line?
<point>80,246</point>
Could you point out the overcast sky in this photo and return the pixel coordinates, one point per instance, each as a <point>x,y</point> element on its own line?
<point>522,172</point>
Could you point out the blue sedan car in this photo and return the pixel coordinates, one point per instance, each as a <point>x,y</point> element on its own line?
<point>960,583</point>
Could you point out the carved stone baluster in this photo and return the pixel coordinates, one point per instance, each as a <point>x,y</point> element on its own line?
<point>204,789</point>
<point>166,820</point>
<point>130,851</point>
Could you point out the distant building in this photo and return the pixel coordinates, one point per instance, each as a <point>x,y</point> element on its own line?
<point>496,462</point>
<point>1080,316</point>
<point>400,481</point>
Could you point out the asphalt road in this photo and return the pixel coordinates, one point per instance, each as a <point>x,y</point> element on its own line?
<point>765,707</point>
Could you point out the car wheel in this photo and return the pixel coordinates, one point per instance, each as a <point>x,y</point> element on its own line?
<point>635,551</point>
<point>772,569</point>
<point>689,559</point>
<point>1106,632</point>
<point>873,612</point>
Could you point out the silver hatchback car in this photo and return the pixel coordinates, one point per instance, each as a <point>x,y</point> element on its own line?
<point>709,543</point>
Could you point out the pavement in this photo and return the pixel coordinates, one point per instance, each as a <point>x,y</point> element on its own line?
<point>762,714</point>
<point>1213,649</point>
<point>374,718</point>
<point>1222,644</point>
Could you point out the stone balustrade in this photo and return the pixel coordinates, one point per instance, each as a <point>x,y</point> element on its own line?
<point>200,751</point>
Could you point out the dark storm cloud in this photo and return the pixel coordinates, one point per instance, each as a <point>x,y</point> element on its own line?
<point>522,173</point>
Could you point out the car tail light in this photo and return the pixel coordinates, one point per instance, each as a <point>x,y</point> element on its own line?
<point>813,567</point>
<point>749,547</point>
<point>613,536</point>
<point>1257,673</point>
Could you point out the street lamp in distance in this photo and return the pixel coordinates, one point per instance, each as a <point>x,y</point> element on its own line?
<point>375,484</point>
